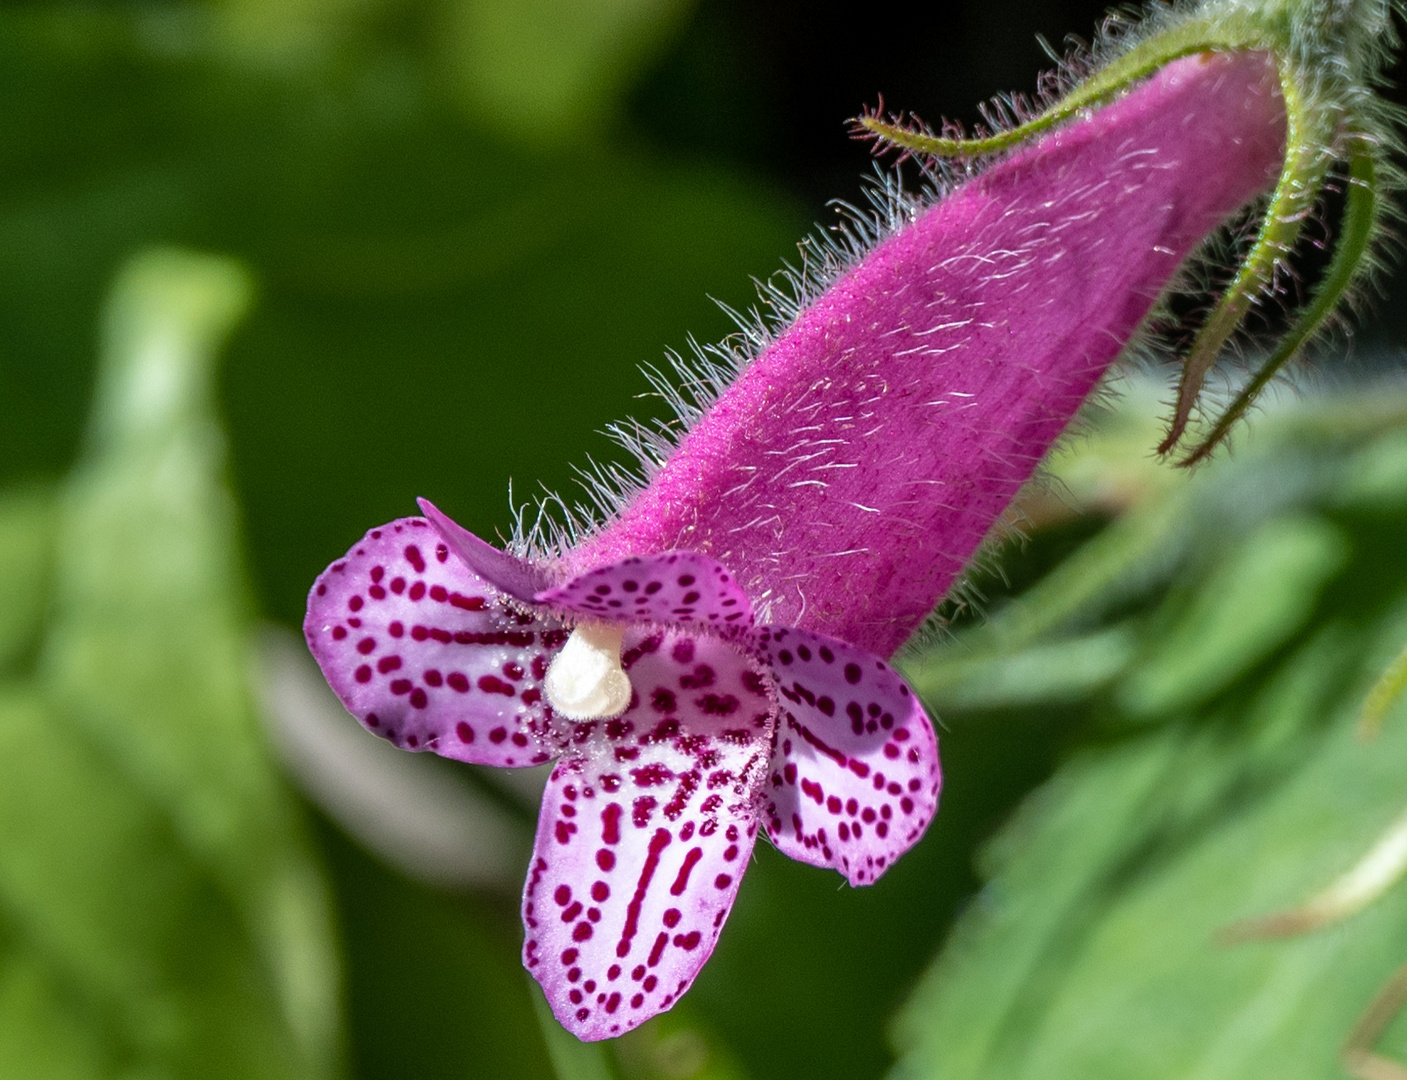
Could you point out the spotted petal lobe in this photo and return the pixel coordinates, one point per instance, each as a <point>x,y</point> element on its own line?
<point>854,775</point>
<point>675,588</point>
<point>427,654</point>
<point>511,576</point>
<point>646,827</point>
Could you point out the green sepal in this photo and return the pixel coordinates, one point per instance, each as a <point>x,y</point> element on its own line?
<point>1361,211</point>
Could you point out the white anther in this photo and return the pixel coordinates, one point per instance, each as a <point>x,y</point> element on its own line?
<point>585,680</point>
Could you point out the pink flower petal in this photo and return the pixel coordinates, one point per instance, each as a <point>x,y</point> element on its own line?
<point>855,773</point>
<point>644,835</point>
<point>427,654</point>
<point>512,576</point>
<point>677,588</point>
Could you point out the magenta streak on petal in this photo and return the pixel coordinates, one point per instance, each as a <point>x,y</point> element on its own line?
<point>658,843</point>
<point>632,880</point>
<point>428,655</point>
<point>514,577</point>
<point>677,588</point>
<point>850,472</point>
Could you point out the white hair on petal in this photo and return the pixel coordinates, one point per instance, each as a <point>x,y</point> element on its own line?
<point>689,383</point>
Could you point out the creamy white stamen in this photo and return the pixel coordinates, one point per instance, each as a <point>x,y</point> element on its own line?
<point>585,680</point>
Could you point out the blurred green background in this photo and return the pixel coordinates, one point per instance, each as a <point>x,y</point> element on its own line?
<point>436,241</point>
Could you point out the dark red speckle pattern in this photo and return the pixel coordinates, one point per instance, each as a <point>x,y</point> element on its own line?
<point>854,778</point>
<point>641,845</point>
<point>679,588</point>
<point>439,660</point>
<point>650,817</point>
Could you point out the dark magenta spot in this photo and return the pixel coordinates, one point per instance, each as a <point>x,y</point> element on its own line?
<point>492,684</point>
<point>464,731</point>
<point>610,823</point>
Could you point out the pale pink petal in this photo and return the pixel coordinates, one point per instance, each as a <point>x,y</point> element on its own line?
<point>512,576</point>
<point>854,776</point>
<point>426,654</point>
<point>676,588</point>
<point>644,834</point>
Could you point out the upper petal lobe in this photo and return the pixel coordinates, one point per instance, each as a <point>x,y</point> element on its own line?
<point>425,653</point>
<point>646,826</point>
<point>675,588</point>
<point>854,776</point>
<point>508,574</point>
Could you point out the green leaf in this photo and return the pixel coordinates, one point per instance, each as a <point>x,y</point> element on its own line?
<point>150,858</point>
<point>26,564</point>
<point>1256,598</point>
<point>545,71</point>
<point>1094,950</point>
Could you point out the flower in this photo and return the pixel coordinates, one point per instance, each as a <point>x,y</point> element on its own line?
<point>678,723</point>
<point>836,485</point>
<point>849,472</point>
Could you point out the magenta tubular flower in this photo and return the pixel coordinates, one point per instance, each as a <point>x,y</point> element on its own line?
<point>850,472</point>
<point>837,487</point>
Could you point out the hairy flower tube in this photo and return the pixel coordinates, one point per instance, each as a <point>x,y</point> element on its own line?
<point>709,660</point>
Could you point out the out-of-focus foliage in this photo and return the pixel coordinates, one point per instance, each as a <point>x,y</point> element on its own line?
<point>444,306</point>
<point>467,222</point>
<point>1220,638</point>
<point>161,910</point>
